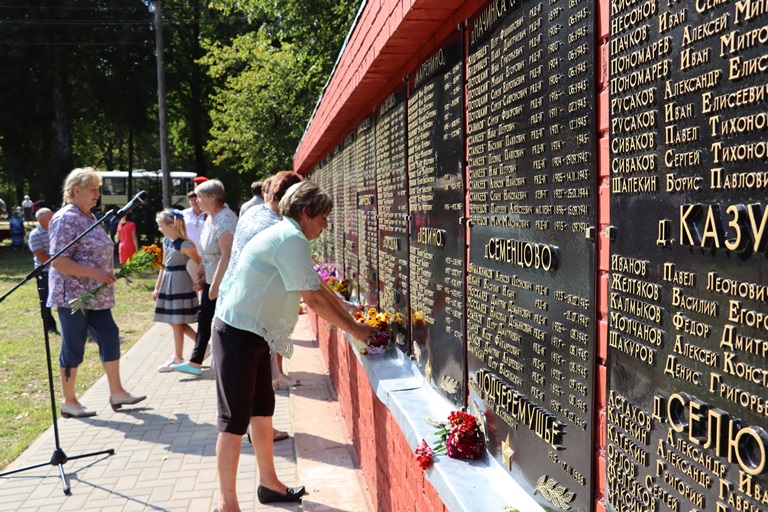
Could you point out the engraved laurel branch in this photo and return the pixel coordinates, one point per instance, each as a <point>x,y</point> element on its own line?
<point>554,493</point>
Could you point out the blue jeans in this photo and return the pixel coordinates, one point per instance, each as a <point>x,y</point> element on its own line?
<point>74,331</point>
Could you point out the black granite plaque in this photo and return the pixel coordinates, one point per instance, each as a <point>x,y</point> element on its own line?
<point>436,192</point>
<point>530,306</point>
<point>392,198</point>
<point>323,248</point>
<point>337,214</point>
<point>349,219</point>
<point>367,224</point>
<point>688,351</point>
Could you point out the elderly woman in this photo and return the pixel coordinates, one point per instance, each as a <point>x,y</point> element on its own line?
<point>215,246</point>
<point>259,311</point>
<point>78,270</point>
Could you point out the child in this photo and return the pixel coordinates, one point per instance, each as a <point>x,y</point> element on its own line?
<point>177,303</point>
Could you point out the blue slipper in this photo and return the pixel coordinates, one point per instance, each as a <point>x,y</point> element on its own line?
<point>185,367</point>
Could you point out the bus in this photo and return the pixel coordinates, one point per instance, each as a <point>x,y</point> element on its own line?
<point>114,187</point>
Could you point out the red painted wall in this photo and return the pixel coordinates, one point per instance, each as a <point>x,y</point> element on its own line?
<point>395,480</point>
<point>602,31</point>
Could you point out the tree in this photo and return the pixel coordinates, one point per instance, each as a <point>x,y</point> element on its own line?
<point>75,89</point>
<point>269,80</point>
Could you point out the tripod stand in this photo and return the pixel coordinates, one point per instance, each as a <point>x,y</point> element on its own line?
<point>59,458</point>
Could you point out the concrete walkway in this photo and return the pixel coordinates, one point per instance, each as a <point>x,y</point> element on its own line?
<point>165,447</point>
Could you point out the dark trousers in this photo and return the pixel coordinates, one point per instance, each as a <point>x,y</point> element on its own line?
<point>42,292</point>
<point>243,378</point>
<point>204,319</point>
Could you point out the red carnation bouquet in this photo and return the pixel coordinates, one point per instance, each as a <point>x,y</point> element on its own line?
<point>459,438</point>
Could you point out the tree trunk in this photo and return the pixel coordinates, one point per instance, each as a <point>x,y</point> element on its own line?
<point>65,161</point>
<point>196,109</point>
<point>130,162</point>
<point>162,106</point>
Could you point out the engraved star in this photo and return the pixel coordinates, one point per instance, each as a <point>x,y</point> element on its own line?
<point>507,453</point>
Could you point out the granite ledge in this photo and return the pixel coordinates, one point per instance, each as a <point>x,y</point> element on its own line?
<point>461,484</point>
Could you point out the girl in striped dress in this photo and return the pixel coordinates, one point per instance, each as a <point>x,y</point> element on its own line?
<point>176,301</point>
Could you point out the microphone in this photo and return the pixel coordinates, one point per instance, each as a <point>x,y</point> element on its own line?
<point>133,203</point>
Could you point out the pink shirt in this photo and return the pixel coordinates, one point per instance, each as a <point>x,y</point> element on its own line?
<point>93,250</point>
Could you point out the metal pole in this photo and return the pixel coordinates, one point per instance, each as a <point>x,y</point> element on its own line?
<point>162,106</point>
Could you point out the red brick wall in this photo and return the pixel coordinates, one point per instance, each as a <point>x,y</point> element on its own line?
<point>395,480</point>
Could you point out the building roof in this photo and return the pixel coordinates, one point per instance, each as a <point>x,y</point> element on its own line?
<point>387,41</point>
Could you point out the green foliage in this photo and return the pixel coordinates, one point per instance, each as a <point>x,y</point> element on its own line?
<point>270,79</point>
<point>242,80</point>
<point>80,77</point>
<point>258,114</point>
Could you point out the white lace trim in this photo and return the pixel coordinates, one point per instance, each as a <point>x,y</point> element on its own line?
<point>312,282</point>
<point>278,337</point>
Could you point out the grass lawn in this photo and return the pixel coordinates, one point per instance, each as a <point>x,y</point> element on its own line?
<point>24,398</point>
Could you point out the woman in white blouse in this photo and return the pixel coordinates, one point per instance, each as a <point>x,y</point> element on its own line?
<point>258,313</point>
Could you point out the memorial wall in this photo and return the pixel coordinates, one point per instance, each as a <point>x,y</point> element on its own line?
<point>531,271</point>
<point>367,224</point>
<point>688,340</point>
<point>392,200</point>
<point>466,207</point>
<point>437,239</point>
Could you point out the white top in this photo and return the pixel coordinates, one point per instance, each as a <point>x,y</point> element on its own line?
<point>194,224</point>
<point>254,201</point>
<point>264,295</point>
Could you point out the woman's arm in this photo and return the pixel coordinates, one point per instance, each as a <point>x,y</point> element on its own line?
<point>225,246</point>
<point>72,268</point>
<point>199,280</point>
<point>330,309</point>
<point>135,238</point>
<point>345,304</point>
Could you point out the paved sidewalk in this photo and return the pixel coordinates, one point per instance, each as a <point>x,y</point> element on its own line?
<point>165,447</point>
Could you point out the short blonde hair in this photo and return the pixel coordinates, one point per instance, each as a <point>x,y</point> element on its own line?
<point>80,178</point>
<point>305,198</point>
<point>211,188</point>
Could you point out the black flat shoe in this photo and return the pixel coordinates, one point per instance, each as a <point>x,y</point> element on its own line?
<point>267,495</point>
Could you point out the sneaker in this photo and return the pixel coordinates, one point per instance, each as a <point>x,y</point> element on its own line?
<point>166,366</point>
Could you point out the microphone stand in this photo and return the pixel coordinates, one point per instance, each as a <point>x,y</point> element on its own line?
<point>59,458</point>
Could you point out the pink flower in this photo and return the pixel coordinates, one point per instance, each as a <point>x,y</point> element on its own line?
<point>424,455</point>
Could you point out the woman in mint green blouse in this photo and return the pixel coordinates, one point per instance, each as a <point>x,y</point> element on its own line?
<point>259,312</point>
